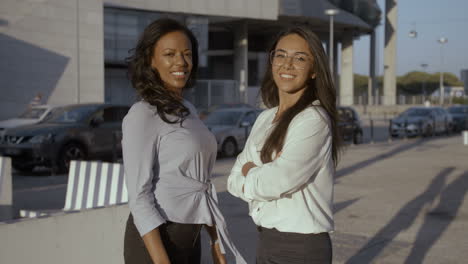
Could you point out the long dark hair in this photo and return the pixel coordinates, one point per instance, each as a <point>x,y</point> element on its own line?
<point>320,88</point>
<point>147,81</point>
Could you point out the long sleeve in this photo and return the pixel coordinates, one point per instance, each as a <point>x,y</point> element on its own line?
<point>307,146</point>
<point>139,144</point>
<point>236,179</point>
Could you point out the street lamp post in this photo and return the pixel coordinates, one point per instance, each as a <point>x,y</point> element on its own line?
<point>424,66</point>
<point>442,41</point>
<point>331,13</point>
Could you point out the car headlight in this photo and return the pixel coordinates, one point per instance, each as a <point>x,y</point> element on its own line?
<point>41,138</point>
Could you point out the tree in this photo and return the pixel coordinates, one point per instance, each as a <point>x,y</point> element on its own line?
<point>412,82</point>
<point>409,84</point>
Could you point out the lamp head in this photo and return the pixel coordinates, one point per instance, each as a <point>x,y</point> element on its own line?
<point>331,12</point>
<point>442,40</point>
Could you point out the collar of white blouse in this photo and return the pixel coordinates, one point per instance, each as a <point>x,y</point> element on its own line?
<point>314,103</point>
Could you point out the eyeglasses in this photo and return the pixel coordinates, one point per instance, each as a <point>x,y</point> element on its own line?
<point>280,58</point>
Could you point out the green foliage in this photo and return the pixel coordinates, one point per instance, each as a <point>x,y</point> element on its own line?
<point>361,84</point>
<point>460,100</point>
<point>414,82</point>
<point>411,83</point>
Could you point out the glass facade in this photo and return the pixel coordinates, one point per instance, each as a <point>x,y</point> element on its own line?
<point>122,28</point>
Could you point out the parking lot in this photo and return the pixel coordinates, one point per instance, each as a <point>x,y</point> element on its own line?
<point>398,202</point>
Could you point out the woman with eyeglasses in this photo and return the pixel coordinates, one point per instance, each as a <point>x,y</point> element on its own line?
<point>168,156</point>
<point>286,170</point>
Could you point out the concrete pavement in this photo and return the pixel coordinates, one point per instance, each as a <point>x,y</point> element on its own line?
<point>399,202</point>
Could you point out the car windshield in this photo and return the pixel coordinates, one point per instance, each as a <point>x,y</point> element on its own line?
<point>345,114</point>
<point>70,114</point>
<point>223,118</point>
<point>458,110</point>
<point>33,113</point>
<point>416,112</point>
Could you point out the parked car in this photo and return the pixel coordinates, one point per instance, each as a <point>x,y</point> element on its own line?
<point>231,127</point>
<point>203,113</point>
<point>460,117</point>
<point>421,121</point>
<point>448,120</point>
<point>350,124</point>
<point>74,132</point>
<point>32,115</point>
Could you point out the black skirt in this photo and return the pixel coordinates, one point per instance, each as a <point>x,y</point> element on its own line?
<point>181,241</point>
<point>277,247</point>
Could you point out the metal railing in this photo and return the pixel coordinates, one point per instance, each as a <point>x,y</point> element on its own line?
<point>408,100</point>
<point>211,92</point>
<point>378,129</point>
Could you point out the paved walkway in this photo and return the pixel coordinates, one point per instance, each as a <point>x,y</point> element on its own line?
<point>400,202</point>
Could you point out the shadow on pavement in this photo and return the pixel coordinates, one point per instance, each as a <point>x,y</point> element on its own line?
<point>241,227</point>
<point>351,169</point>
<point>342,205</point>
<point>437,220</point>
<point>401,221</point>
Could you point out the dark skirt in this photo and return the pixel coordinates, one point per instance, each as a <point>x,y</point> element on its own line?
<point>181,241</point>
<point>277,247</point>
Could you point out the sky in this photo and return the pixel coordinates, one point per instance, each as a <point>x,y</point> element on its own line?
<point>431,19</point>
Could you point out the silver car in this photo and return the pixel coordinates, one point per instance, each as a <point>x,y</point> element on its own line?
<point>422,121</point>
<point>231,128</point>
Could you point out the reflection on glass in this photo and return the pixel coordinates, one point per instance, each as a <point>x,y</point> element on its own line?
<point>32,113</point>
<point>223,118</point>
<point>416,112</point>
<point>71,114</point>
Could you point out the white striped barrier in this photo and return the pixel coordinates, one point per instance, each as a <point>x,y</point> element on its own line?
<point>6,193</point>
<point>6,190</point>
<point>91,184</point>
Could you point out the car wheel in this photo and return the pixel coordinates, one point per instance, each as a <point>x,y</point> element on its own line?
<point>428,131</point>
<point>229,148</point>
<point>21,166</point>
<point>451,129</point>
<point>357,138</point>
<point>71,151</point>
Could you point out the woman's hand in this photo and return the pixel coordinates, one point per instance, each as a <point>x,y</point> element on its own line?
<point>247,166</point>
<point>155,247</point>
<point>218,256</point>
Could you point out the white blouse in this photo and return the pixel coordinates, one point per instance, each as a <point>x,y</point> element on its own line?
<point>294,192</point>
<point>168,169</point>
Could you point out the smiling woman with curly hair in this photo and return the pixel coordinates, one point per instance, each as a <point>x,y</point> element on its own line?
<point>168,155</point>
<point>148,81</point>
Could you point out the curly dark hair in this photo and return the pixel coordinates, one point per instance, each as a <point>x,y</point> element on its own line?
<point>147,81</point>
<point>321,88</point>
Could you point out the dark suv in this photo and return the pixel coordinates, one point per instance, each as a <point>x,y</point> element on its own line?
<point>350,124</point>
<point>460,117</point>
<point>73,132</point>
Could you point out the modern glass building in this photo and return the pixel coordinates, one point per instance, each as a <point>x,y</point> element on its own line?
<point>464,79</point>
<point>74,51</point>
